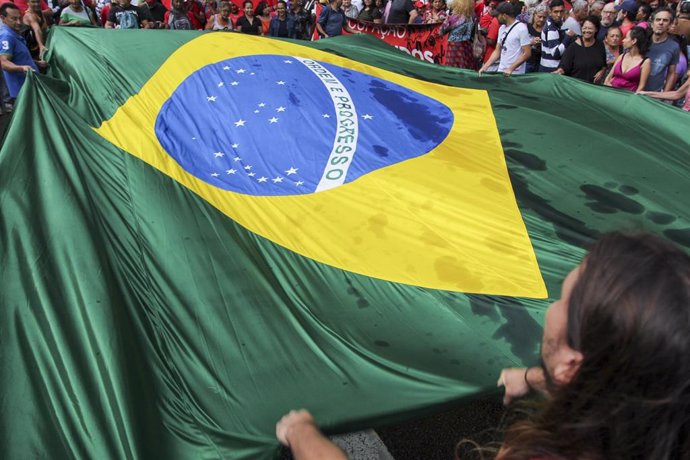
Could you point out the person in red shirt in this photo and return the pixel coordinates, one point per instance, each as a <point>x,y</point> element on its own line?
<point>488,24</point>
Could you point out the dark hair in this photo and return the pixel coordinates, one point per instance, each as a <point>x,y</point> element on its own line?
<point>629,317</point>
<point>283,2</point>
<point>556,3</point>
<point>642,36</point>
<point>647,10</point>
<point>596,22</point>
<point>259,10</point>
<point>7,6</point>
<point>685,7</point>
<point>664,9</point>
<point>630,15</point>
<point>506,8</point>
<point>248,1</point>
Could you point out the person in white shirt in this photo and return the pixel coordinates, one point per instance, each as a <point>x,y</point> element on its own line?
<point>514,45</point>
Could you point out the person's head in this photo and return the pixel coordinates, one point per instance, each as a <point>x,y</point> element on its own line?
<point>35,5</point>
<point>368,4</point>
<point>644,11</point>
<point>296,5</point>
<point>248,8</point>
<point>627,10</point>
<point>124,3</point>
<point>463,8</point>
<point>506,13</point>
<point>637,37</point>
<point>178,5</point>
<point>11,16</point>
<point>608,14</point>
<point>654,4</point>
<point>590,28</point>
<point>539,15</point>
<point>262,9</point>
<point>233,8</point>
<point>661,21</point>
<point>580,9</point>
<point>596,8</point>
<point>224,9</point>
<point>438,5</point>
<point>557,10</point>
<point>613,37</point>
<point>347,3</point>
<point>379,4</point>
<point>74,4</point>
<point>616,349</point>
<point>281,9</point>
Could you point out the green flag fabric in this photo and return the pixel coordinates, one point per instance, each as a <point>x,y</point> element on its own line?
<point>148,314</point>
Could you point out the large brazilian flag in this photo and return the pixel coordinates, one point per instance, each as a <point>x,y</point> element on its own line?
<point>202,231</point>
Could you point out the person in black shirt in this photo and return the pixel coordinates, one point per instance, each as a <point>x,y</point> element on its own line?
<point>127,16</point>
<point>585,58</point>
<point>249,24</point>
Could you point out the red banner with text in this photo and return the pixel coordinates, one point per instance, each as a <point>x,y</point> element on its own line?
<point>418,40</point>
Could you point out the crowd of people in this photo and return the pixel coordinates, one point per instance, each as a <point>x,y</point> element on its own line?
<point>636,45</point>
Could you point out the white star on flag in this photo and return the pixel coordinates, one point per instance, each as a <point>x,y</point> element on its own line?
<point>251,174</point>
<point>219,154</point>
<point>194,138</point>
<point>287,61</point>
<point>325,115</point>
<point>235,83</point>
<point>231,171</point>
<point>257,111</point>
<point>277,179</point>
<point>214,174</point>
<point>281,82</point>
<point>248,167</point>
<point>211,98</point>
<point>366,116</point>
<point>241,71</point>
<point>262,179</point>
<point>240,123</point>
<point>227,67</point>
<point>237,159</point>
<point>234,146</point>
<point>252,73</point>
<point>262,104</point>
<point>292,170</point>
<point>280,109</point>
<point>273,120</point>
<point>299,182</point>
<point>220,84</point>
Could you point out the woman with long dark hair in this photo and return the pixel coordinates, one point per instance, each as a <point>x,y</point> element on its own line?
<point>631,69</point>
<point>615,354</point>
<point>615,367</point>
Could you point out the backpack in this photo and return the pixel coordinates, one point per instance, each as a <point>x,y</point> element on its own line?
<point>129,20</point>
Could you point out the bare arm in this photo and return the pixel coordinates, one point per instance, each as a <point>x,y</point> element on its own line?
<point>298,431</point>
<point>526,53</point>
<point>609,77</point>
<point>519,382</point>
<point>413,16</point>
<point>109,25</point>
<point>10,66</point>
<point>670,77</point>
<point>30,20</point>
<point>669,95</point>
<point>495,56</point>
<point>644,75</point>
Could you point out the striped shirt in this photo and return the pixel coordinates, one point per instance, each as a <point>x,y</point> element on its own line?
<point>553,44</point>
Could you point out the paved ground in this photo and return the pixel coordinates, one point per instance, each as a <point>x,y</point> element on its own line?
<point>430,438</point>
